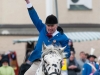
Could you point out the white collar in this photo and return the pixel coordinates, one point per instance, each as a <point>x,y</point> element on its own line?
<point>56,32</point>
<point>92,62</point>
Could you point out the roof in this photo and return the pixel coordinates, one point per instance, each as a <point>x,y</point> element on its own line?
<point>75,36</point>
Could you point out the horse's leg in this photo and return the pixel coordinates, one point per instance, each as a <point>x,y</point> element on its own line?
<point>33,68</point>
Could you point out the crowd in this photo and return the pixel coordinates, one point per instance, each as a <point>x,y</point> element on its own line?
<point>81,66</point>
<point>85,65</point>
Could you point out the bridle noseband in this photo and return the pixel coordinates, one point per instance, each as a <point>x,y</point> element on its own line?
<point>45,70</point>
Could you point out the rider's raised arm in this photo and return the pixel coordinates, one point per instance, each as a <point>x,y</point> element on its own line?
<point>34,16</point>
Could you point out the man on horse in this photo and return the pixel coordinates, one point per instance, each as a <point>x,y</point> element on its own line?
<point>48,34</point>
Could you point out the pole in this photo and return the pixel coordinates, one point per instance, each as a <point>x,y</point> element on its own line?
<point>49,7</point>
<point>56,8</point>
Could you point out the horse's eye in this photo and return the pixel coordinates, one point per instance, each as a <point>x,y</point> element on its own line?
<point>50,51</point>
<point>59,49</point>
<point>45,61</point>
<point>61,64</point>
<point>59,59</point>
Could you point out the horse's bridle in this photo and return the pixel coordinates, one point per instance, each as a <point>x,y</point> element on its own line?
<point>45,70</point>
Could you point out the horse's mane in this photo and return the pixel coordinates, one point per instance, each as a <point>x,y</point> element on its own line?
<point>54,49</point>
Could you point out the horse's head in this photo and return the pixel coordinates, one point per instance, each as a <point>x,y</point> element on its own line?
<point>52,59</point>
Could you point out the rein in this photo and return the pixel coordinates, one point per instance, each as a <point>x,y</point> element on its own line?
<point>44,68</point>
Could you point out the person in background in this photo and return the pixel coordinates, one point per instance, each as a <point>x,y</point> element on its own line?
<point>90,67</point>
<point>99,62</point>
<point>6,56</point>
<point>98,71</point>
<point>73,66</point>
<point>60,30</point>
<point>82,61</point>
<point>86,55</point>
<point>72,53</point>
<point>70,43</point>
<point>48,34</point>
<point>5,69</point>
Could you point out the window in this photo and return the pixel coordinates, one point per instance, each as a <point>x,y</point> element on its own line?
<point>79,4</point>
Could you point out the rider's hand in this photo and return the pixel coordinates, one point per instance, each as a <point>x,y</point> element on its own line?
<point>28,62</point>
<point>27,1</point>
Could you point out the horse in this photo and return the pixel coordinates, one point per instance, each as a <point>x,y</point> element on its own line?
<point>51,60</point>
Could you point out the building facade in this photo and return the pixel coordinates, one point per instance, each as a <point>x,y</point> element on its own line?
<point>15,23</point>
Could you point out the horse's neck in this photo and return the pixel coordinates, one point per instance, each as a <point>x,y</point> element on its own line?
<point>39,70</point>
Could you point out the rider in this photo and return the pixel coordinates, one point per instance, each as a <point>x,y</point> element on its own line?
<point>48,34</point>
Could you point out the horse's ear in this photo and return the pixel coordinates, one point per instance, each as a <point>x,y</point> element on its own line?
<point>43,46</point>
<point>62,49</point>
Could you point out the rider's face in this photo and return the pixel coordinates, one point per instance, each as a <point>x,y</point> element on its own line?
<point>51,28</point>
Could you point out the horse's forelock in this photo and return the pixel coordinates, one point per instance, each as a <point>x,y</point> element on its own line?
<point>55,49</point>
<point>47,49</point>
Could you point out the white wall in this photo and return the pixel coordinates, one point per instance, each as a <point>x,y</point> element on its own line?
<point>15,12</point>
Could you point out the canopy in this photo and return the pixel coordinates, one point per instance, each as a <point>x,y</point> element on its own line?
<point>29,40</point>
<point>74,36</point>
<point>83,36</point>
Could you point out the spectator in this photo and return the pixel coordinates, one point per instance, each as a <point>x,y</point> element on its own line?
<point>72,53</point>
<point>6,56</point>
<point>97,72</point>
<point>86,55</point>
<point>70,43</point>
<point>90,67</point>
<point>73,66</point>
<point>60,29</point>
<point>99,62</point>
<point>5,69</point>
<point>82,61</point>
